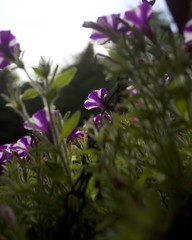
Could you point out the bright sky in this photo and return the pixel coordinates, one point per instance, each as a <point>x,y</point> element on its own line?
<point>52,29</point>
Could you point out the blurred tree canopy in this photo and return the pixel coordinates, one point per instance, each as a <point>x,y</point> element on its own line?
<point>10,122</point>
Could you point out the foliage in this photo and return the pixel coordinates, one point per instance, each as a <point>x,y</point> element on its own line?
<point>90,75</point>
<point>129,178</point>
<point>87,78</point>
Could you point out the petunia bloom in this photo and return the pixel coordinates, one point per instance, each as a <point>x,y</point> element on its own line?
<point>22,146</point>
<point>19,148</point>
<point>9,49</point>
<point>96,99</point>
<point>99,118</point>
<point>187,33</point>
<point>40,122</point>
<point>139,18</point>
<point>76,133</point>
<point>110,22</point>
<point>5,153</point>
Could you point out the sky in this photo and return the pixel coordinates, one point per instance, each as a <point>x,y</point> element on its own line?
<point>53,29</point>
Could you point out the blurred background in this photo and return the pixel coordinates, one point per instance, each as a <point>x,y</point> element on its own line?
<point>53,29</point>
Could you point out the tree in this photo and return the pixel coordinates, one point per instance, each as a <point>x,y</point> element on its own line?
<point>10,122</point>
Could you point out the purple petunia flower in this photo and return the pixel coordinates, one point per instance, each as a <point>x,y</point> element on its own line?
<point>22,146</point>
<point>40,122</point>
<point>9,49</point>
<point>19,148</point>
<point>96,99</point>
<point>76,133</point>
<point>98,119</point>
<point>187,33</point>
<point>5,153</point>
<point>110,21</point>
<point>139,18</point>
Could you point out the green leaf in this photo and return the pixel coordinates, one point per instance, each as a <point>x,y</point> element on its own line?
<point>70,124</point>
<point>6,98</point>
<point>30,93</point>
<point>43,70</point>
<point>64,78</point>
<point>38,71</point>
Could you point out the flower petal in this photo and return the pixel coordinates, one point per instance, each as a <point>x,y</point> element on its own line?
<point>110,21</point>
<point>9,49</point>
<point>96,99</point>
<point>139,17</point>
<point>22,146</point>
<point>5,152</point>
<point>187,32</point>
<point>40,122</point>
<point>76,133</point>
<point>98,119</point>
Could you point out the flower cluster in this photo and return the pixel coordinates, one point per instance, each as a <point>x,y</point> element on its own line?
<point>96,99</point>
<point>38,122</point>
<point>137,18</point>
<point>20,148</point>
<point>134,146</point>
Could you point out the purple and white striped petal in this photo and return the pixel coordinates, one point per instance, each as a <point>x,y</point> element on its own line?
<point>9,49</point>
<point>5,152</point>
<point>98,119</point>
<point>111,22</point>
<point>139,17</point>
<point>96,99</point>
<point>187,33</point>
<point>76,133</point>
<point>22,146</point>
<point>40,122</point>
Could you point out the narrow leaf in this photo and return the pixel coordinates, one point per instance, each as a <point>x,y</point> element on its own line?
<point>70,124</point>
<point>64,78</point>
<point>30,93</point>
<point>38,71</point>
